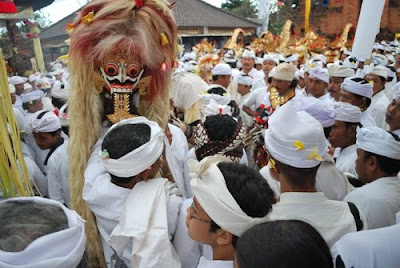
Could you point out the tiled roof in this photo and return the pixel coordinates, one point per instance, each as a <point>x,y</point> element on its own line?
<point>196,13</point>
<point>188,13</point>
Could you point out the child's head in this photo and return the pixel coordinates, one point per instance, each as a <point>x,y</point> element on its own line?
<point>132,147</point>
<point>289,243</point>
<point>219,134</point>
<point>228,199</point>
<point>46,128</point>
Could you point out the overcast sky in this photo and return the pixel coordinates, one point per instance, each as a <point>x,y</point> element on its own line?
<point>62,8</point>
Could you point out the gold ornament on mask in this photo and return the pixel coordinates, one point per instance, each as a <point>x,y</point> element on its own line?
<point>278,100</point>
<point>121,108</point>
<point>143,85</point>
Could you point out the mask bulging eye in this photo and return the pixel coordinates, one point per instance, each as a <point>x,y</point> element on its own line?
<point>111,69</point>
<point>132,71</point>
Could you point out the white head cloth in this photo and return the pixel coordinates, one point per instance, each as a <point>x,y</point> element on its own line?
<point>379,70</point>
<point>245,80</point>
<point>378,141</point>
<point>139,159</point>
<point>397,96</point>
<point>295,138</point>
<point>12,88</point>
<point>351,62</point>
<point>42,83</point>
<point>64,248</point>
<point>320,74</point>
<point>186,89</point>
<point>222,100</point>
<point>214,108</point>
<point>32,96</point>
<point>56,72</point>
<point>16,80</point>
<point>299,74</point>
<point>259,60</point>
<point>210,189</point>
<point>347,112</point>
<point>49,122</point>
<point>284,71</point>
<point>56,66</point>
<point>335,70</point>
<point>221,69</point>
<point>361,88</point>
<point>319,109</point>
<point>293,57</point>
<point>34,77</point>
<point>248,54</point>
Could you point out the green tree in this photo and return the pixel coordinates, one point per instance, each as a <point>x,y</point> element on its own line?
<point>242,8</point>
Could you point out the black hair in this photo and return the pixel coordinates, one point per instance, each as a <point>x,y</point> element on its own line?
<point>124,139</point>
<point>387,165</point>
<point>214,77</point>
<point>298,177</point>
<point>327,131</point>
<point>293,84</point>
<point>281,244</point>
<point>220,127</point>
<point>250,190</point>
<point>350,124</point>
<point>217,90</point>
<point>235,108</point>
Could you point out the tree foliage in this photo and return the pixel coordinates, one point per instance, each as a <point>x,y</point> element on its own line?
<point>242,8</point>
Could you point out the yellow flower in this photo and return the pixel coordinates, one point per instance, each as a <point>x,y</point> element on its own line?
<point>314,154</point>
<point>299,145</point>
<point>88,18</point>
<point>271,164</point>
<point>164,39</point>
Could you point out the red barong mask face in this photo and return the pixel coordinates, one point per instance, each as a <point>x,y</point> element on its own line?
<point>121,75</point>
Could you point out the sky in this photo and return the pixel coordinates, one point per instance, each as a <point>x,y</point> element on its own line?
<point>62,8</point>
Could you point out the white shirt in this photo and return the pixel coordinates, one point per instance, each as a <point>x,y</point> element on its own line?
<point>327,98</point>
<point>366,119</point>
<point>332,219</point>
<point>379,200</point>
<point>346,161</point>
<point>106,200</point>
<point>205,263</point>
<point>246,119</point>
<point>370,249</point>
<point>331,181</point>
<point>377,109</point>
<point>258,97</point>
<point>259,83</point>
<point>58,174</point>
<point>176,156</point>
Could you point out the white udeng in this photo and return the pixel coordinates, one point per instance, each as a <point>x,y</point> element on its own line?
<point>210,189</point>
<point>144,222</point>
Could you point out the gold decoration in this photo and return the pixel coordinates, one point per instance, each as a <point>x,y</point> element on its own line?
<point>271,164</point>
<point>277,99</point>
<point>88,18</point>
<point>121,108</point>
<point>143,84</point>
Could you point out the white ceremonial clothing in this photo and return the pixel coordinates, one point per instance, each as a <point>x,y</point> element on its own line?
<point>259,83</point>
<point>370,249</point>
<point>57,173</point>
<point>47,104</point>
<point>258,97</point>
<point>246,119</point>
<point>332,219</point>
<point>176,156</point>
<point>346,161</point>
<point>327,98</point>
<point>192,155</point>
<point>366,119</point>
<point>18,103</point>
<point>35,174</point>
<point>205,263</point>
<point>379,201</point>
<point>254,73</point>
<point>331,181</point>
<point>107,200</point>
<point>377,109</point>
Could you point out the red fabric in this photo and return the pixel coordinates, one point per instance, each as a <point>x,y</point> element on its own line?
<point>7,6</point>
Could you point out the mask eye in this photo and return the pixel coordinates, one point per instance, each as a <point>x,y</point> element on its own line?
<point>132,71</point>
<point>111,69</point>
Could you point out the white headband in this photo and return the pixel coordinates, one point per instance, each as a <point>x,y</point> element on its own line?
<point>32,96</point>
<point>64,248</point>
<point>210,189</point>
<point>49,122</point>
<point>346,112</point>
<point>139,159</point>
<point>214,108</point>
<point>378,141</point>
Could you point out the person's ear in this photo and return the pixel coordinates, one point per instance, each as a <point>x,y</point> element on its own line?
<point>373,163</point>
<point>224,237</point>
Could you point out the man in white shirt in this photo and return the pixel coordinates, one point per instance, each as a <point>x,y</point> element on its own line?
<point>268,63</point>
<point>248,61</point>
<point>358,91</point>
<point>379,101</point>
<point>18,82</point>
<point>343,136</point>
<point>318,84</point>
<point>377,164</point>
<point>244,89</point>
<point>393,114</point>
<point>337,74</point>
<point>295,157</point>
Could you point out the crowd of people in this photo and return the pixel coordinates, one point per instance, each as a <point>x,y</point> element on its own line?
<point>267,160</point>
